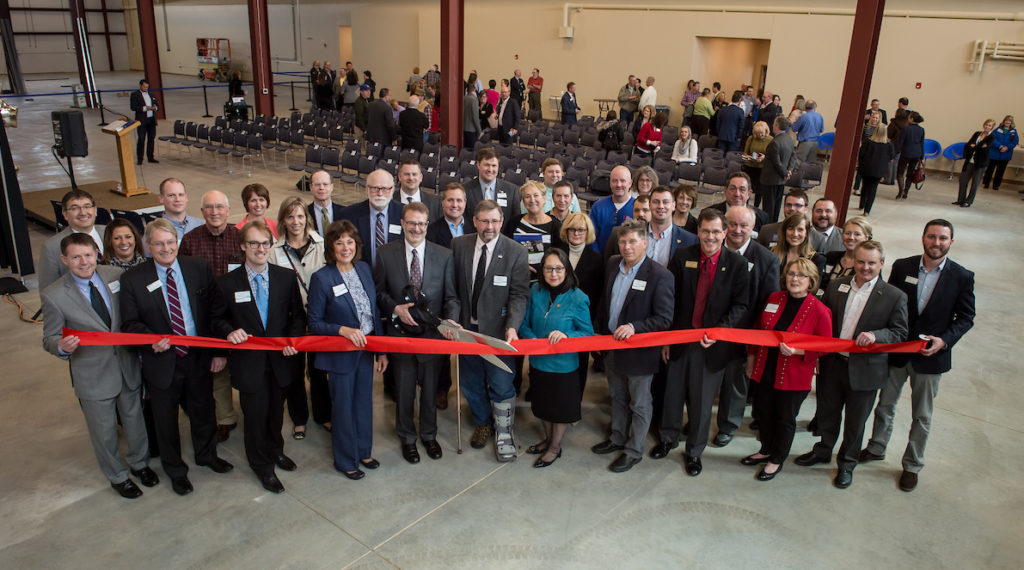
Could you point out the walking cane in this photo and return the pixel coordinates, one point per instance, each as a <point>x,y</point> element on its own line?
<point>458,406</point>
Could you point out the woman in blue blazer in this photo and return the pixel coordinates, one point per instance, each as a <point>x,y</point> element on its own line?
<point>1004,140</point>
<point>343,302</point>
<point>558,309</point>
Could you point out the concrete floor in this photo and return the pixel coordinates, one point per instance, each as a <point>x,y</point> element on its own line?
<point>468,511</point>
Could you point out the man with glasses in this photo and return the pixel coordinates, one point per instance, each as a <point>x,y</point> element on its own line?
<point>262,299</point>
<point>407,271</point>
<point>492,278</point>
<point>737,193</point>
<point>377,218</point>
<point>80,211</point>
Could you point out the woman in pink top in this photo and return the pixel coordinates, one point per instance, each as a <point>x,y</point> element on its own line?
<point>256,199</point>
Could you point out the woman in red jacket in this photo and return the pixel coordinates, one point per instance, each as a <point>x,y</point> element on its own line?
<point>783,374</point>
<point>649,139</point>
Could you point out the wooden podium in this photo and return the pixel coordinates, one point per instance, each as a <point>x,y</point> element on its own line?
<point>122,129</point>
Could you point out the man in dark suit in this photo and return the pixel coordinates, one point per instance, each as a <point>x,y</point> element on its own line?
<point>487,186</point>
<point>763,269</point>
<point>568,104</point>
<point>262,299</point>
<point>323,211</point>
<point>452,223</point>
<point>638,298</point>
<point>406,269</point>
<point>380,120</point>
<point>144,104</point>
<point>867,310</point>
<point>711,291</point>
<point>411,125</point>
<point>509,112</point>
<point>779,162</point>
<point>377,218</point>
<point>940,295</point>
<point>106,379</point>
<point>730,121</point>
<point>737,193</point>
<point>79,210</point>
<point>176,296</point>
<point>492,278</point>
<point>410,176</point>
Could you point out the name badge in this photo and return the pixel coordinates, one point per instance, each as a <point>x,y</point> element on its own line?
<point>502,194</point>
<point>233,266</point>
<point>153,286</point>
<point>394,229</point>
<point>829,268</point>
<point>773,244</point>
<point>771,308</point>
<point>340,289</point>
<point>243,297</point>
<point>501,281</point>
<point>691,265</point>
<point>546,238</point>
<point>750,266</point>
<point>114,286</point>
<point>639,285</point>
<point>844,288</point>
<point>503,202</point>
<point>912,280</point>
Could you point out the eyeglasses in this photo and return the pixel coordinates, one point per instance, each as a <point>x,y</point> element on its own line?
<point>214,207</point>
<point>83,208</point>
<point>489,222</point>
<point>799,275</point>
<point>380,189</point>
<point>549,269</point>
<point>258,244</point>
<point>415,224</point>
<point>576,230</point>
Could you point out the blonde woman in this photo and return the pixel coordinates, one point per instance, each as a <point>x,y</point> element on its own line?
<point>755,148</point>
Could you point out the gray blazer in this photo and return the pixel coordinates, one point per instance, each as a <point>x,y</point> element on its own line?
<point>97,372</point>
<point>50,267</point>
<point>501,307</point>
<point>471,113</point>
<point>779,159</point>
<point>391,276</point>
<point>823,245</point>
<point>432,202</point>
<point>885,315</point>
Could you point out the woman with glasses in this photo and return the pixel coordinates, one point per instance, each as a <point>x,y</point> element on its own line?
<point>644,182</point>
<point>782,375</point>
<point>557,310</point>
<point>588,267</point>
<point>256,199</point>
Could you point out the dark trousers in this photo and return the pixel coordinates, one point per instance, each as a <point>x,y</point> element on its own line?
<point>582,371</point>
<point>905,173</point>
<point>728,146</point>
<point>295,398</point>
<point>147,416</point>
<point>469,138</point>
<point>692,384</point>
<point>732,397</point>
<point>626,116</point>
<point>835,395</point>
<point>352,413</point>
<point>319,393</point>
<point>192,389</point>
<point>534,99</point>
<point>444,376</point>
<point>701,125</point>
<point>970,176</point>
<point>776,412</point>
<point>994,173</point>
<point>772,197</point>
<point>263,412</point>
<point>868,192</point>
<point>411,371</point>
<point>147,139</point>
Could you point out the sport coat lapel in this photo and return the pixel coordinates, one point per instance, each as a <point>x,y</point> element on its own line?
<point>76,298</point>
<point>641,275</point>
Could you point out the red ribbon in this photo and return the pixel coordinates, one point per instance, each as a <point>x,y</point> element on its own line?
<point>525,347</point>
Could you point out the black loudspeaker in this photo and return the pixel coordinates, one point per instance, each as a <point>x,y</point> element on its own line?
<point>69,133</point>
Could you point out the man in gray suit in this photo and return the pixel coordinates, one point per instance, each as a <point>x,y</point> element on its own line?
<point>106,379</point>
<point>867,310</point>
<point>492,277</point>
<point>410,268</point>
<point>823,227</point>
<point>80,211</point>
<point>410,176</point>
<point>470,117</point>
<point>487,186</point>
<point>779,162</point>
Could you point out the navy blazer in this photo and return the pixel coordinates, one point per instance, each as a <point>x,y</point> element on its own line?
<point>329,312</point>
<point>948,315</point>
<point>730,123</point>
<point>359,215</point>
<point>336,210</point>
<point>649,310</point>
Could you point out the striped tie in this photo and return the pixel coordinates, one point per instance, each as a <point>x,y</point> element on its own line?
<point>177,322</point>
<point>379,238</point>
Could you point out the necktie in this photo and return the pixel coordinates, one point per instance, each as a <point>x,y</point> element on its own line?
<point>98,304</point>
<point>378,235</point>
<point>174,305</point>
<point>262,300</point>
<point>490,192</point>
<point>703,288</point>
<point>408,199</point>
<point>478,281</point>
<point>416,272</point>
<point>324,220</point>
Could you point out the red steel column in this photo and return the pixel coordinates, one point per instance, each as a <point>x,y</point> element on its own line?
<point>867,24</point>
<point>262,77</point>
<point>453,17</point>
<point>151,55</point>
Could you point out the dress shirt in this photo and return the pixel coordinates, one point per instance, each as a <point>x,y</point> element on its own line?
<point>264,285</point>
<point>855,302</point>
<point>809,126</point>
<point>457,230</point>
<point>215,249</point>
<point>183,302</point>
<point>487,189</point>
<point>623,282</point>
<point>96,237</point>
<point>183,227</point>
<point>83,286</point>
<point>742,250</point>
<point>926,281</point>
<point>690,97</point>
<point>405,197</point>
<point>658,247</point>
<point>318,216</point>
<point>373,230</point>
<point>148,101</point>
<point>421,252</point>
<point>476,255</point>
<point>713,263</point>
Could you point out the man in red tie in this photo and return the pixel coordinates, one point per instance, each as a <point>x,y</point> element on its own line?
<point>711,291</point>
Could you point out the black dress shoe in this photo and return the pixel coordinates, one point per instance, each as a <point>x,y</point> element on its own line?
<point>751,460</point>
<point>220,466</point>
<point>722,439</point>
<point>181,485</point>
<point>271,483</point>
<point>957,203</point>
<point>154,161</point>
<point>763,475</point>
<point>146,476</point>
<point>540,463</point>
<point>138,161</point>
<point>693,465</point>
<point>410,453</point>
<point>605,447</point>
<point>810,458</point>
<point>433,449</point>
<point>127,489</point>
<point>661,450</point>
<point>908,481</point>
<point>371,464</point>
<point>285,462</point>
<point>354,475</point>
<point>843,479</point>
<point>624,463</point>
<point>866,456</point>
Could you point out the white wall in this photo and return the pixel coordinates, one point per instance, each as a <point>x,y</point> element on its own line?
<point>56,54</point>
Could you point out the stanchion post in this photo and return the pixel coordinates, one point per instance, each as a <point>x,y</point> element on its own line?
<point>292,85</point>
<point>309,89</point>
<point>206,104</point>
<point>103,119</point>
<point>458,406</point>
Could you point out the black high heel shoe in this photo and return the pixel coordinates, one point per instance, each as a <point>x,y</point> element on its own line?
<point>538,448</point>
<point>540,463</point>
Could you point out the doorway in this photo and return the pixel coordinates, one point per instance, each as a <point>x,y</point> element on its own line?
<point>344,45</point>
<point>732,62</point>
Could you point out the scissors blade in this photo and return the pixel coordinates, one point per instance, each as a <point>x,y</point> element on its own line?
<point>463,335</point>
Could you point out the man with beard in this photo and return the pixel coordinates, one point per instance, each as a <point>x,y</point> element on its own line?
<point>377,218</point>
